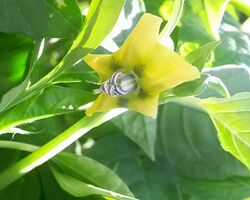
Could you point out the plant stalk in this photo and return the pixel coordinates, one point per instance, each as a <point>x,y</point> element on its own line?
<point>54,146</point>
<point>173,20</point>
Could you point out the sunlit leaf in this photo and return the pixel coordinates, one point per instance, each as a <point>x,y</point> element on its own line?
<point>80,175</point>
<point>53,101</point>
<point>236,78</point>
<point>83,171</point>
<point>199,57</point>
<point>201,20</point>
<point>231,117</point>
<point>53,147</point>
<point>79,188</point>
<point>38,19</point>
<point>191,88</point>
<point>189,140</point>
<point>100,20</point>
<point>235,44</point>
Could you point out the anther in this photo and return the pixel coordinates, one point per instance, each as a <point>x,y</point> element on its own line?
<point>119,84</point>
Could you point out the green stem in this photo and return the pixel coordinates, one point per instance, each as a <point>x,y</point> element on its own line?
<point>46,81</point>
<point>173,20</point>
<point>68,60</point>
<point>53,147</point>
<point>218,85</point>
<point>18,146</point>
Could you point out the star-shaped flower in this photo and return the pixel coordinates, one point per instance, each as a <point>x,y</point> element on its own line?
<point>155,68</point>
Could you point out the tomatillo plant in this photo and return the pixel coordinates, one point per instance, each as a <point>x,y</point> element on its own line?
<point>173,94</point>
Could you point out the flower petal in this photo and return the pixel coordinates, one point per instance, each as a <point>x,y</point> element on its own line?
<point>101,64</point>
<point>102,103</point>
<point>144,105</point>
<point>166,70</point>
<point>139,46</point>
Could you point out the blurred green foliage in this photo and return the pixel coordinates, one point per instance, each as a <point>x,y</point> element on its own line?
<point>177,156</point>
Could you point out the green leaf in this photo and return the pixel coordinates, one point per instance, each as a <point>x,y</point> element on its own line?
<point>191,88</point>
<point>83,170</point>
<point>80,73</point>
<point>55,100</point>
<point>39,19</point>
<point>14,54</point>
<point>51,189</point>
<point>235,77</point>
<point>229,189</point>
<point>204,87</point>
<point>235,44</point>
<point>158,180</point>
<point>231,117</point>
<point>54,147</point>
<point>101,12</point>
<point>153,6</point>
<point>148,180</point>
<point>79,188</point>
<point>216,85</point>
<point>219,81</point>
<point>15,92</point>
<point>98,23</point>
<point>28,187</point>
<point>141,130</point>
<point>201,20</point>
<point>199,57</point>
<point>128,18</point>
<point>101,18</point>
<point>54,50</point>
<point>189,140</point>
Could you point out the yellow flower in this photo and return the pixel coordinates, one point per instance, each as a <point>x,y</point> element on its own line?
<point>155,67</point>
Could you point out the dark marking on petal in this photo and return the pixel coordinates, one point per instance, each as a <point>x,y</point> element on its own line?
<point>115,66</point>
<point>123,102</point>
<point>139,70</point>
<point>143,94</point>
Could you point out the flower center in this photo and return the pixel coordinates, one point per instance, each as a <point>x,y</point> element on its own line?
<point>119,84</point>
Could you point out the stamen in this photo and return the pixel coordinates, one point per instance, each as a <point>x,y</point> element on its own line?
<point>128,83</point>
<point>119,84</point>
